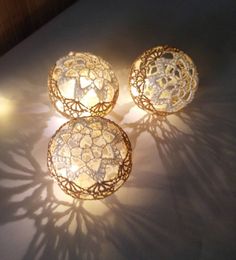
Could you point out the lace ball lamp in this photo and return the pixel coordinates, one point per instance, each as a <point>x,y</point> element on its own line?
<point>89,157</point>
<point>82,84</point>
<point>163,80</point>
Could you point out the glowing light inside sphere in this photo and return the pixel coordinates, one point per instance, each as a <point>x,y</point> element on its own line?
<point>90,157</point>
<point>82,84</point>
<point>163,80</point>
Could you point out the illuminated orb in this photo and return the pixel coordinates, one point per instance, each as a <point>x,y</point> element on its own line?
<point>90,157</point>
<point>163,80</point>
<point>82,84</point>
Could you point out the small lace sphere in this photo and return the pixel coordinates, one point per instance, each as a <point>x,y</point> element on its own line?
<point>82,84</point>
<point>90,157</point>
<point>163,80</point>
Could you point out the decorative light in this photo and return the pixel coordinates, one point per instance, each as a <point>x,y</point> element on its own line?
<point>90,157</point>
<point>82,84</point>
<point>163,80</point>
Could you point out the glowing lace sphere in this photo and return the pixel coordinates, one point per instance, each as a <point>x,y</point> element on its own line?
<point>163,80</point>
<point>82,84</point>
<point>90,157</point>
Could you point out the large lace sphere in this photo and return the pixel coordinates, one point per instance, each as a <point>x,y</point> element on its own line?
<point>163,80</point>
<point>90,157</point>
<point>82,84</point>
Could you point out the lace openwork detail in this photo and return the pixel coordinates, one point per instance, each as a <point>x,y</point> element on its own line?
<point>90,157</point>
<point>163,80</point>
<point>82,84</point>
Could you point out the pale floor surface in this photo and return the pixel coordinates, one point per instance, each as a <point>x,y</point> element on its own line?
<point>179,202</point>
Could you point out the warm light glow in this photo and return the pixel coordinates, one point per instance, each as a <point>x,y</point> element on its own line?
<point>6,107</point>
<point>90,99</point>
<point>134,91</point>
<point>67,88</point>
<point>83,84</point>
<point>163,80</point>
<point>90,157</point>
